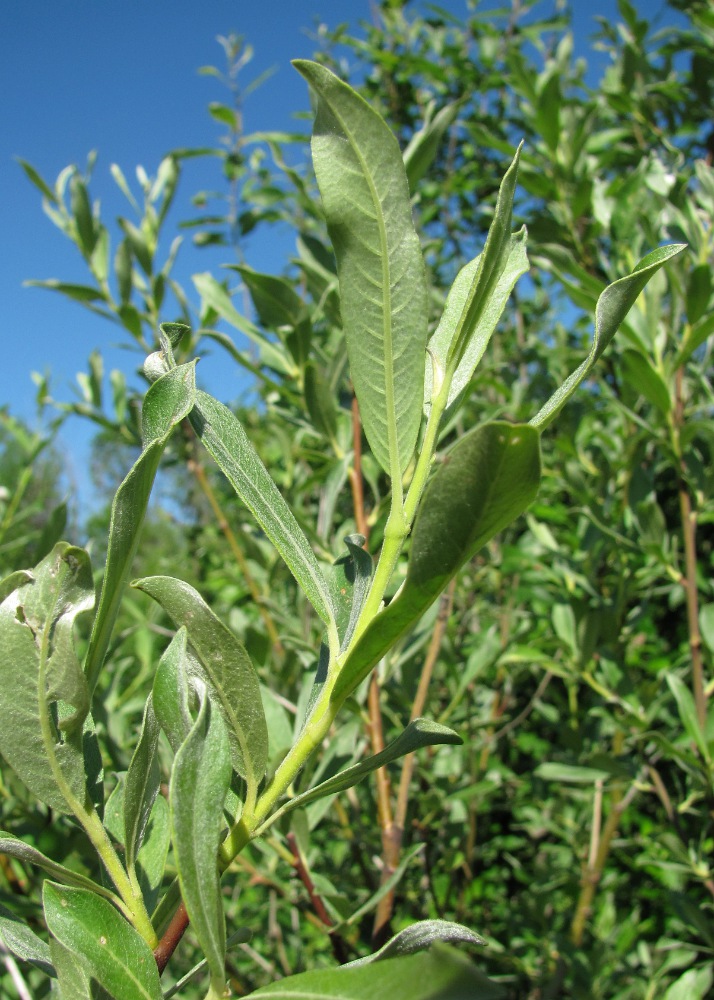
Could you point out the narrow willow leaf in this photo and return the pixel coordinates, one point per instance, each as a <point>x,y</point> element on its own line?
<point>352,575</point>
<point>22,941</point>
<point>453,324</point>
<point>275,300</point>
<point>151,859</point>
<point>39,667</point>
<point>424,144</point>
<point>72,978</point>
<point>142,784</point>
<point>612,307</point>
<point>15,848</point>
<point>479,295</point>
<point>570,774</point>
<point>688,714</point>
<point>483,483</point>
<point>437,974</point>
<point>320,401</point>
<point>226,441</point>
<point>214,295</point>
<point>419,733</point>
<point>228,669</point>
<point>79,293</point>
<point>102,942</point>
<point>167,402</point>
<point>383,291</point>
<point>170,692</point>
<point>81,208</point>
<point>200,779</point>
<point>645,379</point>
<point>420,936</point>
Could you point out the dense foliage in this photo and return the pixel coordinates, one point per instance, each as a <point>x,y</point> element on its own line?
<point>572,827</point>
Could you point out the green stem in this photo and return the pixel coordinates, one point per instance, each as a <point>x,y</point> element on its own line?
<point>133,908</point>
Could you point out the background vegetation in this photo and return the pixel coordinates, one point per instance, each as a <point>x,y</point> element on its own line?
<point>573,829</point>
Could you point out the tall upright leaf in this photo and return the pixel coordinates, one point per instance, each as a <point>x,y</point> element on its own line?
<point>383,292</point>
<point>167,402</point>
<point>199,783</point>
<point>226,441</point>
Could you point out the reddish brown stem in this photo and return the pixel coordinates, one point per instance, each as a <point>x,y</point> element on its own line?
<point>301,868</point>
<point>172,935</point>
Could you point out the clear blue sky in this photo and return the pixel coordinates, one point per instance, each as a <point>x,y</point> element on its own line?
<point>121,78</point>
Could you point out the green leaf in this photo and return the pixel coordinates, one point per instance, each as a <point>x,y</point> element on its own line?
<point>612,307</point>
<point>151,859</point>
<point>102,941</point>
<point>352,575</point>
<point>437,974</point>
<point>228,670</point>
<point>81,208</point>
<point>275,300</point>
<point>166,403</point>
<point>79,293</point>
<point>39,667</point>
<point>74,981</point>
<point>215,295</point>
<point>200,779</point>
<point>383,292</point>
<point>15,848</point>
<point>142,784</point>
<point>484,482</point>
<point>139,246</point>
<point>646,380</point>
<point>419,733</point>
<point>320,401</point>
<point>699,290</point>
<point>38,181</point>
<point>706,625</point>
<point>170,693</point>
<point>688,714</point>
<point>124,271</point>
<point>226,441</point>
<point>477,299</point>
<point>570,774</point>
<point>22,941</point>
<point>424,144</point>
<point>419,936</point>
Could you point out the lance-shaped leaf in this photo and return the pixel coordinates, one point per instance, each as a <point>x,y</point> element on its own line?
<point>73,979</point>
<point>612,307</point>
<point>352,575</point>
<point>477,299</point>
<point>15,848</point>
<point>39,668</point>
<point>200,779</point>
<point>102,942</point>
<point>228,670</point>
<point>383,291</point>
<point>436,974</point>
<point>420,936</point>
<point>419,733</point>
<point>484,482</point>
<point>167,402</point>
<point>22,941</point>
<point>228,444</point>
<point>424,144</point>
<point>142,784</point>
<point>170,693</point>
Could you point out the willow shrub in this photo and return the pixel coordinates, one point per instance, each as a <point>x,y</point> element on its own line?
<point>114,937</point>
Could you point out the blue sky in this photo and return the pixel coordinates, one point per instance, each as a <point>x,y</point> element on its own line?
<point>121,78</point>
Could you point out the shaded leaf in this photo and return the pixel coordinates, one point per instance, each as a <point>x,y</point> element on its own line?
<point>15,848</point>
<point>142,784</point>
<point>228,671</point>
<point>352,575</point>
<point>200,779</point>
<point>484,482</point>
<point>424,144</point>
<point>22,941</point>
<point>646,380</point>
<point>437,974</point>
